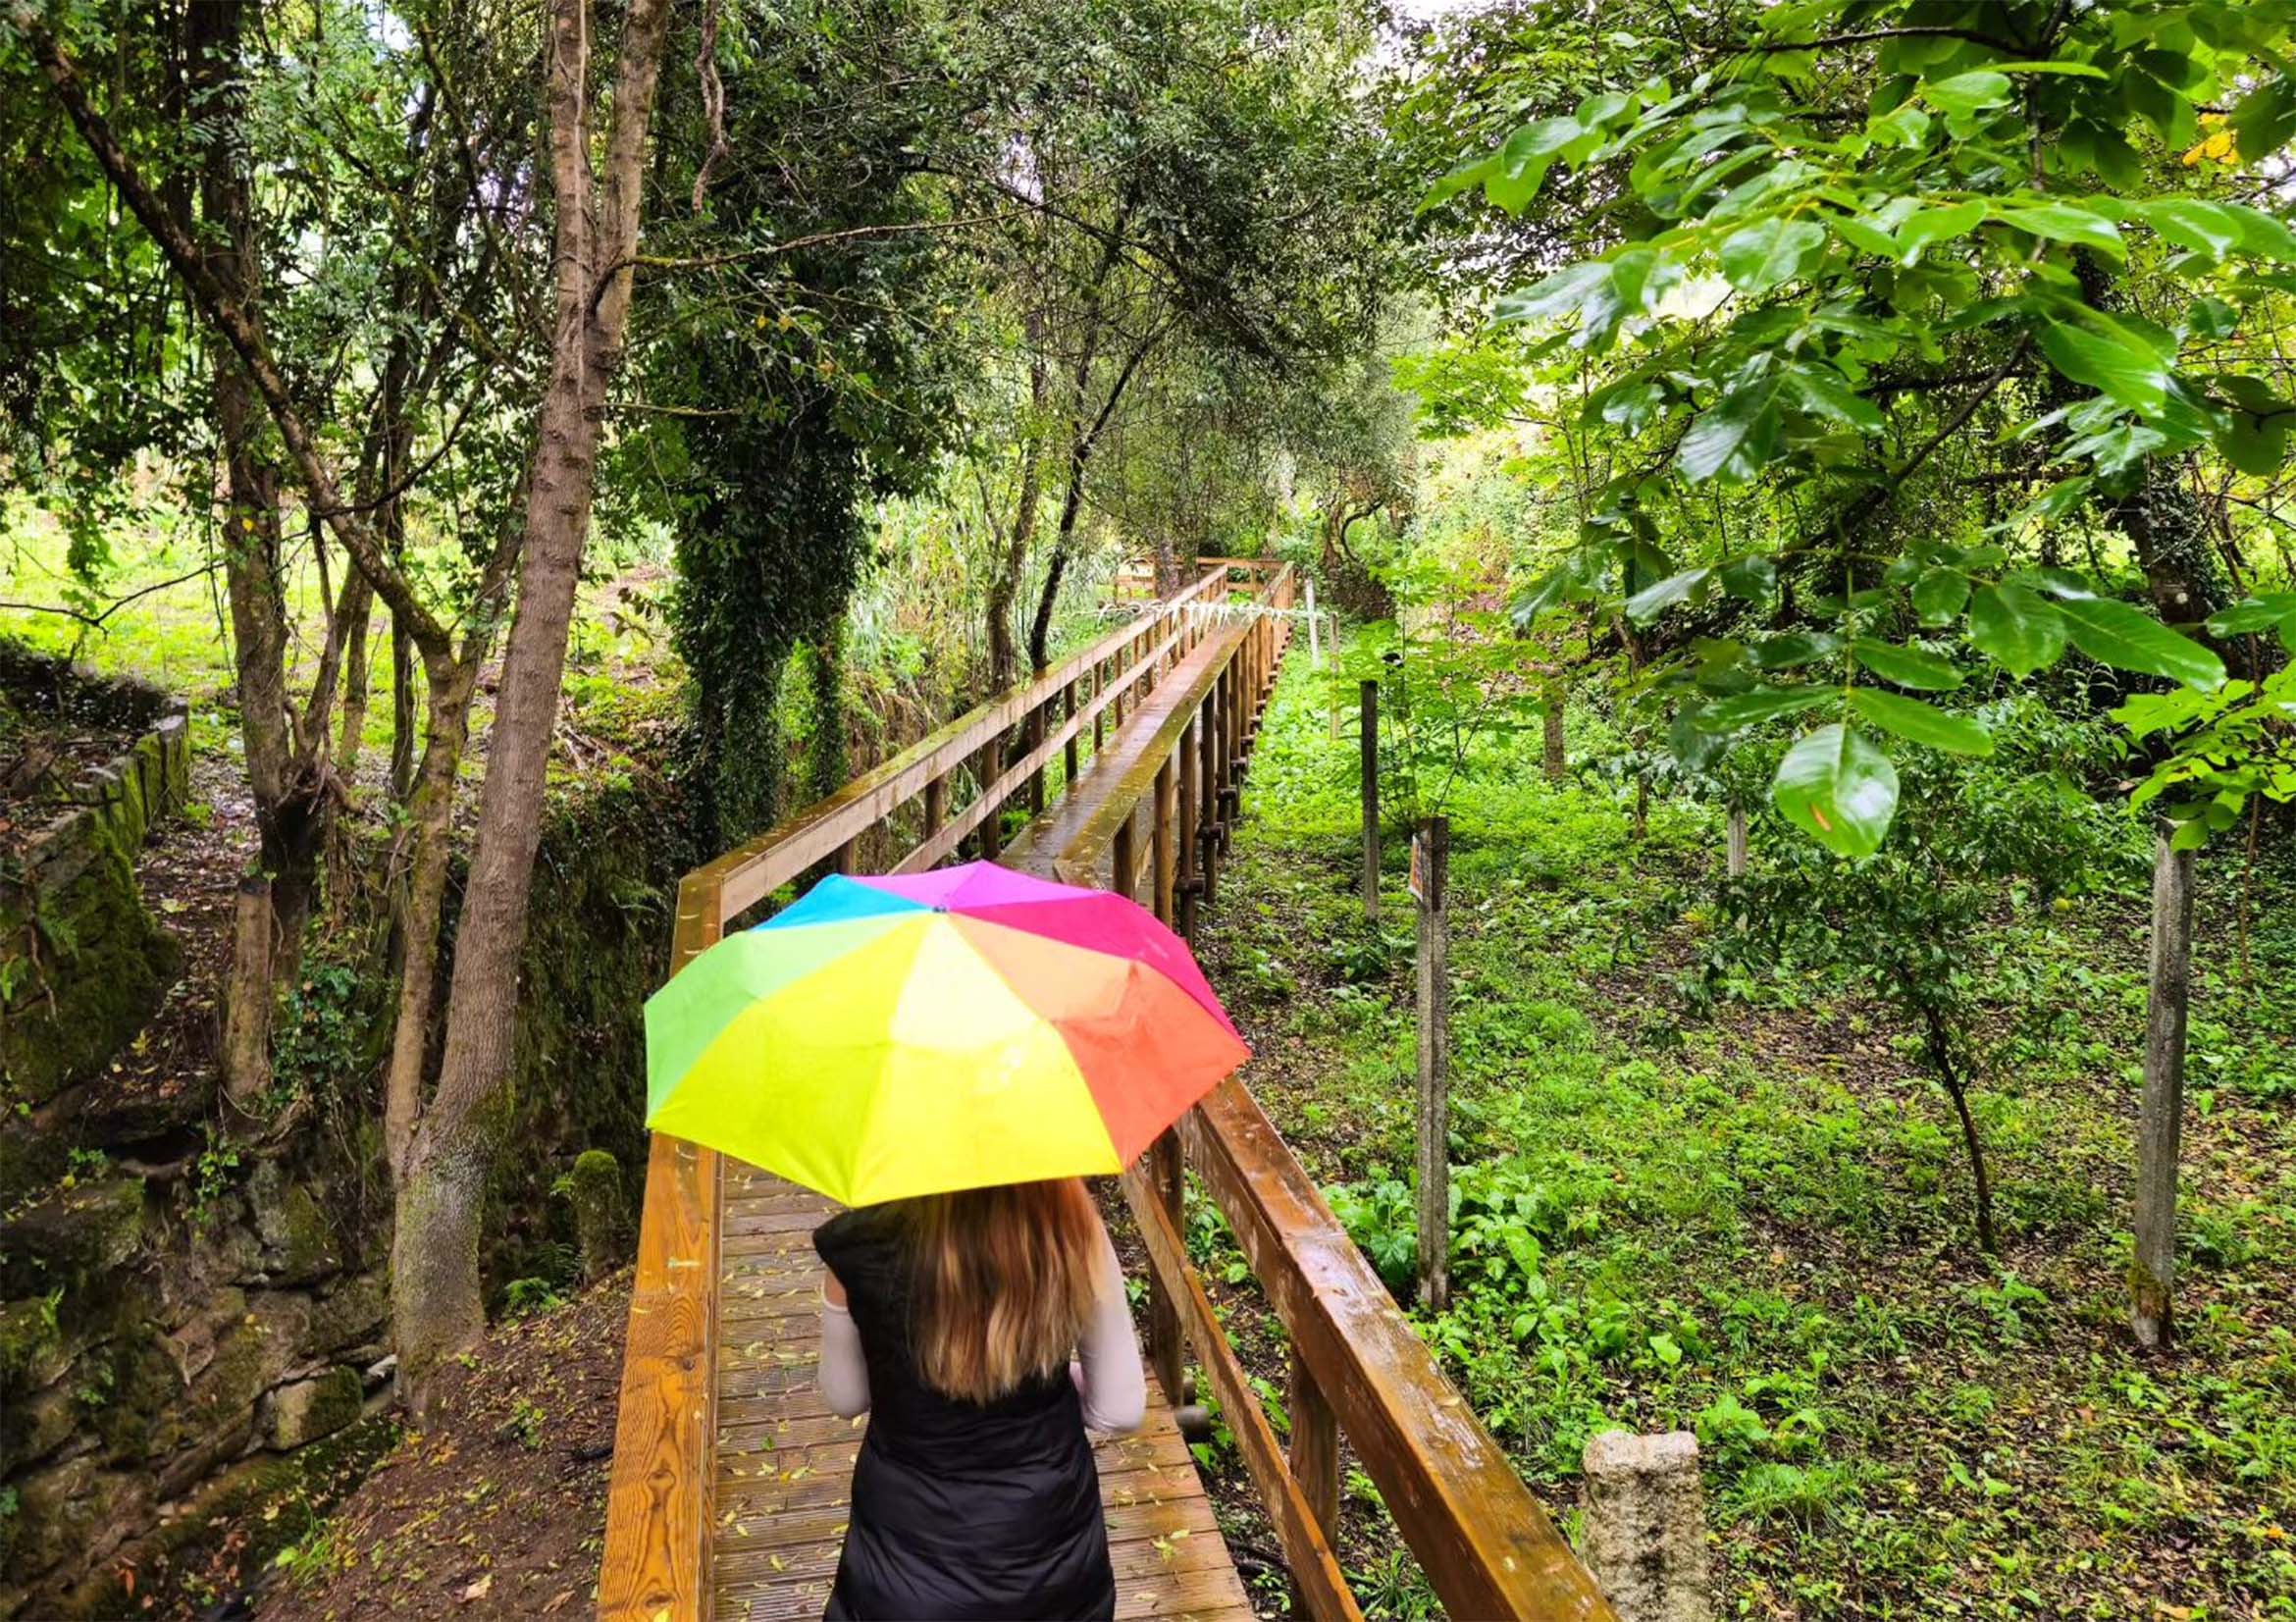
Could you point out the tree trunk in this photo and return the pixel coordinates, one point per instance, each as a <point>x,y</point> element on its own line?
<point>1072,499</point>
<point>1979,1178</point>
<point>288,815</point>
<point>430,836</point>
<point>1005,590</point>
<point>1939,1042</point>
<point>2161,1124</point>
<point>361,602</point>
<point>1737,856</point>
<point>248,999</point>
<point>438,1308</point>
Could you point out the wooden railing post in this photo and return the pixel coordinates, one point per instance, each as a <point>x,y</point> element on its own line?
<point>936,806</point>
<point>1035,734</point>
<point>1161,843</point>
<point>1430,867</point>
<point>1069,750</point>
<point>992,767</point>
<point>1371,802</point>
<point>1167,1345</point>
<point>1099,685</point>
<point>1208,730</point>
<point>1315,1447</point>
<point>1121,862</point>
<point>1191,884</point>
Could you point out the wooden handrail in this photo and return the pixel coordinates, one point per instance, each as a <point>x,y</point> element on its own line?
<point>662,1497</point>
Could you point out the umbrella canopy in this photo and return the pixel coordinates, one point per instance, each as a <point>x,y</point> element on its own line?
<point>887,1037</point>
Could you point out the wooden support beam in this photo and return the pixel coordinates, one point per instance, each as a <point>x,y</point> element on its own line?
<point>1371,801</point>
<point>2161,1117</point>
<point>1161,843</point>
<point>1431,865</point>
<point>1069,750</point>
<point>1191,884</point>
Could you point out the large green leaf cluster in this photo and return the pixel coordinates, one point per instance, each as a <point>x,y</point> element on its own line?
<point>1865,258</point>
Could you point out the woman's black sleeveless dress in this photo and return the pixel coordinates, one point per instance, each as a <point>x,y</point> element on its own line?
<point>960,1511</point>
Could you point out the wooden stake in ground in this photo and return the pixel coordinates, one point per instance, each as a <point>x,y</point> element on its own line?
<point>1738,842</point>
<point>1431,861</point>
<point>1371,801</point>
<point>1553,696</point>
<point>2160,1125</point>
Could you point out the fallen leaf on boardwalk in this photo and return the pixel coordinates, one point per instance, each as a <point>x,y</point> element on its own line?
<point>556,1600</point>
<point>480,1588</point>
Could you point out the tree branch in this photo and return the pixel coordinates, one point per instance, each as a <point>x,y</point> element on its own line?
<point>239,329</point>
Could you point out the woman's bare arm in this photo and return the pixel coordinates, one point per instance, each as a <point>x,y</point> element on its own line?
<point>1109,1376</point>
<point>845,1372</point>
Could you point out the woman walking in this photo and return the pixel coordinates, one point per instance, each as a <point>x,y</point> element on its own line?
<point>983,1332</point>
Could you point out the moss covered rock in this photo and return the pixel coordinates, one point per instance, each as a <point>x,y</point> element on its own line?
<point>298,1240</point>
<point>34,1426</point>
<point>305,1410</point>
<point>596,1187</point>
<point>352,1313</point>
<point>69,1236</point>
<point>32,1351</point>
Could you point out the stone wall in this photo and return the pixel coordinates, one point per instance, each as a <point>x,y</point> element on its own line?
<point>89,961</point>
<point>170,1329</point>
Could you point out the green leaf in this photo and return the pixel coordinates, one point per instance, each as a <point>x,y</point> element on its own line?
<point>2126,373</point>
<point>1967,92</point>
<point>1939,595</point>
<point>1468,174</point>
<point>1907,666</point>
<point>2015,629</point>
<point>1734,439</point>
<point>2066,222</point>
<point>1922,723</point>
<point>2264,119</point>
<point>1770,252</point>
<point>2128,639</point>
<point>1765,703</point>
<point>1752,579</point>
<point>2193,223</point>
<point>1795,647</point>
<point>1561,293</point>
<point>1936,225</point>
<point>1523,160</point>
<point>1839,788</point>
<point>1648,602</point>
<point>1821,392</point>
<point>2253,613</point>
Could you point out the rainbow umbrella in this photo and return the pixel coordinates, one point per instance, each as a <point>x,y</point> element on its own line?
<point>884,1037</point>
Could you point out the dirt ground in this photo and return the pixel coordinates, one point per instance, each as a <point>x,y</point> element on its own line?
<point>498,1510</point>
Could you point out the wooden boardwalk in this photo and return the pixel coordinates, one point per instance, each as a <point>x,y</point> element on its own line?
<point>785,1462</point>
<point>731,1476</point>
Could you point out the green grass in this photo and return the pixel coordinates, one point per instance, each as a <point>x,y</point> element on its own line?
<point>1749,1216</point>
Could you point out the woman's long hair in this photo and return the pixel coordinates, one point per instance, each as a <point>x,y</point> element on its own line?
<point>1002,1283</point>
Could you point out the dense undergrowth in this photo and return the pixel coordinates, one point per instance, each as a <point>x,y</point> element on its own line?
<point>1733,1205</point>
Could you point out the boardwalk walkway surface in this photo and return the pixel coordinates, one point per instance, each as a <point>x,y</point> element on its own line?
<point>785,1462</point>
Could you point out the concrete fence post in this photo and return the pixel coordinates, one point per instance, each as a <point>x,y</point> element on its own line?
<point>1645,1537</point>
